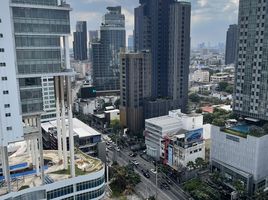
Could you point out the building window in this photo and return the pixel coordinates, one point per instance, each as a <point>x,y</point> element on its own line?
<point>9,128</point>
<point>7,105</point>
<point>5,92</point>
<point>4,78</point>
<point>8,114</point>
<point>1,35</point>
<point>2,50</point>
<point>2,64</point>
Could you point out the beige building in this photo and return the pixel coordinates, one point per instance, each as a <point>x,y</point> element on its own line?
<point>201,76</point>
<point>135,86</point>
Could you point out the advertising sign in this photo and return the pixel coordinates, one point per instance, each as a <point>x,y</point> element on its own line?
<point>194,136</point>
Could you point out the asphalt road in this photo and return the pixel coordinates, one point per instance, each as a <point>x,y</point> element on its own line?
<point>148,185</point>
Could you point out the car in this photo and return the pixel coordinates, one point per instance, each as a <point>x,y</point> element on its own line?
<point>165,186</point>
<point>117,149</point>
<point>132,154</point>
<point>146,174</point>
<point>109,147</point>
<point>153,171</point>
<point>135,162</point>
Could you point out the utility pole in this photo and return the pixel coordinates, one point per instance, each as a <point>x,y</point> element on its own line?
<point>156,181</point>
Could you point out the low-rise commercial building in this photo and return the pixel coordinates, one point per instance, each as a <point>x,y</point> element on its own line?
<point>87,139</point>
<point>201,76</point>
<point>178,131</point>
<point>240,154</point>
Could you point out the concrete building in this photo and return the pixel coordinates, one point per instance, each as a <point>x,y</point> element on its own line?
<point>201,76</point>
<point>49,100</point>
<point>231,44</point>
<point>240,155</point>
<point>163,27</point>
<point>80,41</point>
<point>182,147</point>
<point>159,128</point>
<point>34,45</point>
<point>106,74</point>
<point>135,87</point>
<point>251,84</point>
<point>222,77</point>
<point>86,138</point>
<point>130,43</point>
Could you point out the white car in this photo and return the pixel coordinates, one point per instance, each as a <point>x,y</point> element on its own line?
<point>135,162</point>
<point>153,171</point>
<point>117,149</point>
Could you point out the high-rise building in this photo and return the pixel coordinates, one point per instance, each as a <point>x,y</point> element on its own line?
<point>251,77</point>
<point>80,41</point>
<point>93,37</point>
<point>130,43</point>
<point>106,72</point>
<point>231,44</point>
<point>163,28</point>
<point>135,83</point>
<point>33,51</point>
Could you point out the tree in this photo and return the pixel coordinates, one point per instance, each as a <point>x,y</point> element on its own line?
<point>229,89</point>
<point>200,162</point>
<point>222,86</point>
<point>115,125</point>
<point>191,165</point>
<point>117,103</point>
<point>194,98</point>
<point>218,122</point>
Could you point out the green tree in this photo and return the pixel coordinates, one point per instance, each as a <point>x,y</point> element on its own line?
<point>117,103</point>
<point>200,162</point>
<point>218,122</point>
<point>229,89</point>
<point>191,165</point>
<point>115,125</point>
<point>194,98</point>
<point>222,86</point>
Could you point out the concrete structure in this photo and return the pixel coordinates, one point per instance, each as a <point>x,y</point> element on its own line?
<point>156,129</point>
<point>135,87</point>
<point>130,43</point>
<point>35,45</point>
<point>80,41</point>
<point>251,86</point>
<point>49,100</point>
<point>163,27</point>
<point>106,74</point>
<point>85,137</point>
<point>57,185</point>
<point>231,44</point>
<point>222,77</point>
<point>182,147</point>
<point>240,156</point>
<point>201,76</point>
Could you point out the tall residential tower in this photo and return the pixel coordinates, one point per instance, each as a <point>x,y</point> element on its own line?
<point>106,73</point>
<point>251,78</point>
<point>163,28</point>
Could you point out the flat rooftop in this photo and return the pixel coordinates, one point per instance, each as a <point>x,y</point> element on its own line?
<point>81,129</point>
<point>54,172</point>
<point>163,121</point>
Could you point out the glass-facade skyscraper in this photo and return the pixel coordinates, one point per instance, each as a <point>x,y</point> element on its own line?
<point>106,74</point>
<point>80,41</point>
<point>231,44</point>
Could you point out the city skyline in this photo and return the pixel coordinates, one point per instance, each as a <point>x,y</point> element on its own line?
<point>206,14</point>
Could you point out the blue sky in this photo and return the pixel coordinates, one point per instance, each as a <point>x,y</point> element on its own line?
<point>210,18</point>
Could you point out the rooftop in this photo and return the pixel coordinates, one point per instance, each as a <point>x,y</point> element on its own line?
<point>24,175</point>
<point>79,128</point>
<point>244,129</point>
<point>163,120</point>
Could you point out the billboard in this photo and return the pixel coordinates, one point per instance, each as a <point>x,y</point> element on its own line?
<point>194,136</point>
<point>170,155</point>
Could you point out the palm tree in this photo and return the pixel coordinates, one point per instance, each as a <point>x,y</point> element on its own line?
<point>191,165</point>
<point>200,162</point>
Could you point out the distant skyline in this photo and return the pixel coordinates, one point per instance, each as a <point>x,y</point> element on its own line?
<point>210,18</point>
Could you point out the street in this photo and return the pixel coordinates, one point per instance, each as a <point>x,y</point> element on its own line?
<point>148,187</point>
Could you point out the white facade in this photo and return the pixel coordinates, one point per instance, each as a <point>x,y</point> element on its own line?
<point>157,128</point>
<point>11,128</point>
<point>247,155</point>
<point>49,102</point>
<point>201,76</point>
